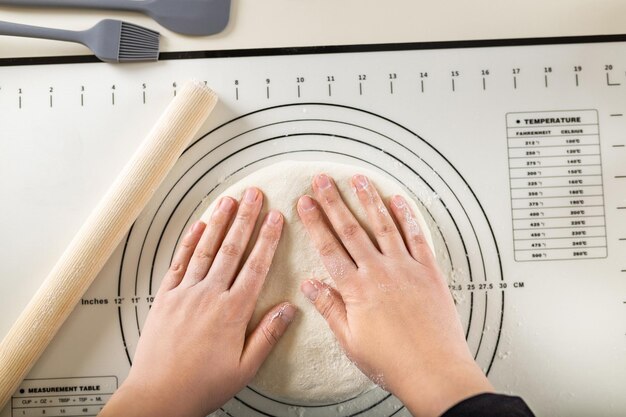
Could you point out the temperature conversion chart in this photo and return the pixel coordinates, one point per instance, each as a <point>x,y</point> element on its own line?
<point>515,149</point>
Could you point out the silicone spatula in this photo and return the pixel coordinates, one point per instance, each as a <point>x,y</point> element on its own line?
<point>188,17</point>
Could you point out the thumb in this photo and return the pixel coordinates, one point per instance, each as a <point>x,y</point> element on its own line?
<point>329,303</point>
<point>266,334</point>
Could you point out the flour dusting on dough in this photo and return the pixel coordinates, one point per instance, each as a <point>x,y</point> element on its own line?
<point>307,366</point>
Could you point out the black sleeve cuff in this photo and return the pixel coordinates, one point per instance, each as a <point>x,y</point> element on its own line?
<point>490,405</point>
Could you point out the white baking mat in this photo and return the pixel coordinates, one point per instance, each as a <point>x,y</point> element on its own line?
<point>516,152</point>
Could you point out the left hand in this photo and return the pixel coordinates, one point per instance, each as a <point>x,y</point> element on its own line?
<point>193,354</point>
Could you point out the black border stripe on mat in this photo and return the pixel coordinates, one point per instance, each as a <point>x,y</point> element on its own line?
<point>332,49</point>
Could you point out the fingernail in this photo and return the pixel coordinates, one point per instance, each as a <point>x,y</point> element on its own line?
<point>226,205</point>
<point>288,313</point>
<point>310,290</point>
<point>274,217</point>
<point>398,201</point>
<point>307,203</point>
<point>196,226</point>
<point>360,182</point>
<point>251,195</point>
<point>322,182</point>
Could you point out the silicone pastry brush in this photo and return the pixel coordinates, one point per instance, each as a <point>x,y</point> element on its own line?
<point>187,17</point>
<point>110,40</point>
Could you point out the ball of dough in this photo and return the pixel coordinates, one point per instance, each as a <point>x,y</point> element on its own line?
<point>307,366</point>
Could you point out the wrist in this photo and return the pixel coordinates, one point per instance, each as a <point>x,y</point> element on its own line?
<point>430,394</point>
<point>135,400</point>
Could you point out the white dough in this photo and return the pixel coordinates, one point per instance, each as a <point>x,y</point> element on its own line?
<point>307,366</point>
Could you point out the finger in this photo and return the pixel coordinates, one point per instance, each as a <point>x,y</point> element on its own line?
<point>210,241</point>
<point>385,230</point>
<point>330,305</point>
<point>334,257</point>
<point>228,258</point>
<point>248,284</point>
<point>181,258</point>
<point>264,337</point>
<point>352,235</point>
<point>413,236</point>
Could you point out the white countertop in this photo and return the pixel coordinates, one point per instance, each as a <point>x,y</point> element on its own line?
<point>561,328</point>
<point>273,23</point>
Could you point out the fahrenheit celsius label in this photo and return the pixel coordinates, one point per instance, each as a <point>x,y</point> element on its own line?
<point>557,196</point>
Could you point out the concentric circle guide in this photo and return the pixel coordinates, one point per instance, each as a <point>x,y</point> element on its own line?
<point>464,240</point>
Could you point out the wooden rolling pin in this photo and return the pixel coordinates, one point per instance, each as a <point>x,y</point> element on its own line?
<point>100,234</point>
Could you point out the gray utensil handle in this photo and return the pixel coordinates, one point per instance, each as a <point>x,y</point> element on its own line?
<point>27,31</point>
<point>82,4</point>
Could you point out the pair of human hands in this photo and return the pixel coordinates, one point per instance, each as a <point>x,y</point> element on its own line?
<point>390,309</point>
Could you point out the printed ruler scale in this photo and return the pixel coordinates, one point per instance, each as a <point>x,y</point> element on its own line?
<point>515,149</point>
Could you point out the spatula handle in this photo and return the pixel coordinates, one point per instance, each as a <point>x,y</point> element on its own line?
<point>100,234</point>
<point>81,4</point>
<point>27,31</point>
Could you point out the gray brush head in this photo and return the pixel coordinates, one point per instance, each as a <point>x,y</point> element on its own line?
<point>138,43</point>
<point>117,41</point>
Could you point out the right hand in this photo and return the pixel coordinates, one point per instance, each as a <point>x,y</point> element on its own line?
<point>391,309</point>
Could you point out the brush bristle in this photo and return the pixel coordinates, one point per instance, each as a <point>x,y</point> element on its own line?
<point>138,43</point>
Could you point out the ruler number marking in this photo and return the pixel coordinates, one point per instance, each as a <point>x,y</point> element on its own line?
<point>299,82</point>
<point>454,74</point>
<point>609,68</point>
<point>361,77</point>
